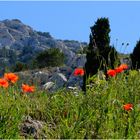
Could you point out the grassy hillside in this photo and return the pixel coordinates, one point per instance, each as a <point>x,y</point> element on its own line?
<point>98,114</point>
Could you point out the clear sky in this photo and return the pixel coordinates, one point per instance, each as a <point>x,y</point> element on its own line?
<point>72,19</point>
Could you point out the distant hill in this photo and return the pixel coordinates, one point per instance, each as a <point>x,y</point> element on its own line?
<point>20,42</point>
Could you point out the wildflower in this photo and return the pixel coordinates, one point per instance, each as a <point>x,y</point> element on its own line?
<point>27,88</point>
<point>123,66</point>
<point>11,77</point>
<point>78,71</point>
<point>118,70</point>
<point>128,107</point>
<point>111,73</point>
<point>3,83</point>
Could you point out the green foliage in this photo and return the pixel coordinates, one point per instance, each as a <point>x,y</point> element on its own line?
<point>51,57</point>
<point>135,56</point>
<point>97,115</point>
<point>19,66</point>
<point>100,33</point>
<point>45,34</point>
<point>10,116</point>
<point>100,55</point>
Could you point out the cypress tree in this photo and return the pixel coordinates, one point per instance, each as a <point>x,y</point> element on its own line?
<point>135,56</point>
<point>100,54</point>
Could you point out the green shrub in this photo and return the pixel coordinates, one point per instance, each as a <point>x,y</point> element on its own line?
<point>51,57</point>
<point>20,67</point>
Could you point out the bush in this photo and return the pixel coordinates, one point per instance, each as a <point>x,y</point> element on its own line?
<point>20,67</point>
<point>51,57</point>
<point>45,34</point>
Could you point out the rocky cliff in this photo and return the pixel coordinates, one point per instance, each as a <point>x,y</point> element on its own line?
<point>19,42</point>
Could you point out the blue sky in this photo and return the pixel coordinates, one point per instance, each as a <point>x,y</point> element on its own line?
<point>72,19</point>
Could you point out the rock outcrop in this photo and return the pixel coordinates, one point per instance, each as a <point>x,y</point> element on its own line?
<point>32,128</point>
<point>26,42</point>
<point>51,79</point>
<point>19,42</point>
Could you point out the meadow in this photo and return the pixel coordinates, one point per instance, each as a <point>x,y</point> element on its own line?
<point>110,109</point>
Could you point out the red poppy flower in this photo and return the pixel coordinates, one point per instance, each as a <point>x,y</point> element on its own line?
<point>3,83</point>
<point>27,88</point>
<point>111,73</point>
<point>78,71</point>
<point>118,70</point>
<point>123,66</point>
<point>11,77</point>
<point>128,107</point>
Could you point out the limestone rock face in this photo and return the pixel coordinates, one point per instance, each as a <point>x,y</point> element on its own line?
<point>5,37</point>
<point>20,42</point>
<point>20,37</point>
<point>48,86</point>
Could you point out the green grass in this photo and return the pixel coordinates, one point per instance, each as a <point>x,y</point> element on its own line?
<point>98,114</point>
